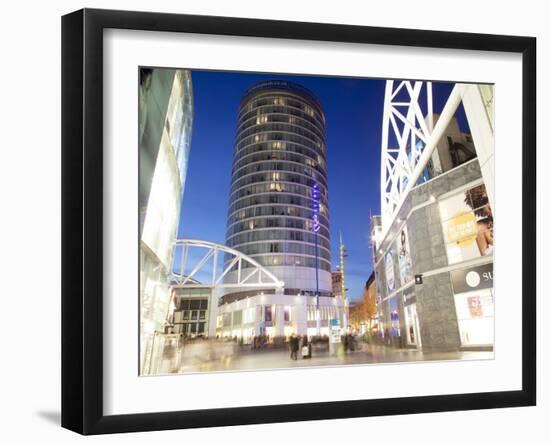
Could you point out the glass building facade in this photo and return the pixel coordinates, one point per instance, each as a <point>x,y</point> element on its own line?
<point>165,126</point>
<point>280,154</point>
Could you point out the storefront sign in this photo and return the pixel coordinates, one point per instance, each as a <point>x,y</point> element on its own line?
<point>335,335</point>
<point>409,297</point>
<point>480,277</point>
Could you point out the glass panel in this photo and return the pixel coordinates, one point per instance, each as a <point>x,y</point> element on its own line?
<point>395,330</point>
<point>237,317</point>
<point>268,313</point>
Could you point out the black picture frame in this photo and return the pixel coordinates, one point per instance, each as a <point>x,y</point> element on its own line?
<point>82,218</point>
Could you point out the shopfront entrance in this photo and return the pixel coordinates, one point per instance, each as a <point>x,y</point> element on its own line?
<point>412,325</point>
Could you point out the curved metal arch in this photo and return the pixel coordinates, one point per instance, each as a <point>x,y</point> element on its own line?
<point>256,276</point>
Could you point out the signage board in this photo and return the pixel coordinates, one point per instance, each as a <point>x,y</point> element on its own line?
<point>335,335</point>
<point>409,297</point>
<point>470,279</point>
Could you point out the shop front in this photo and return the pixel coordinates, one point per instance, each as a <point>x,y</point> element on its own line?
<point>433,267</point>
<point>412,324</point>
<point>395,322</point>
<point>474,302</point>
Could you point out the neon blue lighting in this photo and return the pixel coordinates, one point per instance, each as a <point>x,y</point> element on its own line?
<point>315,195</point>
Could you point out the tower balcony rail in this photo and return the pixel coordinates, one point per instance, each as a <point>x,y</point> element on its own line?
<point>280,84</point>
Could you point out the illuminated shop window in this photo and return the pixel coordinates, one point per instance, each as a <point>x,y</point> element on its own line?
<point>475,314</point>
<point>249,315</point>
<point>227,319</point>
<point>268,313</point>
<point>237,317</point>
<point>395,329</point>
<point>287,313</point>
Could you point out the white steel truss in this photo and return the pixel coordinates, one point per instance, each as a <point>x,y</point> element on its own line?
<point>403,119</point>
<point>409,139</point>
<point>217,266</point>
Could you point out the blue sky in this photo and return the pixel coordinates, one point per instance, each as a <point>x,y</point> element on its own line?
<point>353,110</point>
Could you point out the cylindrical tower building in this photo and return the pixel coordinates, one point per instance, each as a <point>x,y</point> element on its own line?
<point>280,154</point>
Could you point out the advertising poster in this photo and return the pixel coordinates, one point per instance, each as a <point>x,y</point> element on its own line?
<point>390,273</point>
<point>395,330</point>
<point>404,257</point>
<point>474,305</point>
<point>468,225</point>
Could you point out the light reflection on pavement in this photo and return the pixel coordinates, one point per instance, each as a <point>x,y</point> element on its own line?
<point>204,358</point>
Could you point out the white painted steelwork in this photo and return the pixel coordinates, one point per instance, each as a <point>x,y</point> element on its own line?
<point>184,268</point>
<point>411,125</point>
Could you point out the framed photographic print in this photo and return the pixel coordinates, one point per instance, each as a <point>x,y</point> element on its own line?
<point>269,221</point>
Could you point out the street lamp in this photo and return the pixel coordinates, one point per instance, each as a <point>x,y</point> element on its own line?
<point>343,255</point>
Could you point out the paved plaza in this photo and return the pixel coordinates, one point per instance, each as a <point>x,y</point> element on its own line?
<point>204,358</point>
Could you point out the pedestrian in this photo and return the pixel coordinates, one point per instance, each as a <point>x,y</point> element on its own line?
<point>306,347</point>
<point>294,346</point>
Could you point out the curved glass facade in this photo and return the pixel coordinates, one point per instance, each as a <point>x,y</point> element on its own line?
<point>280,153</point>
<point>165,127</point>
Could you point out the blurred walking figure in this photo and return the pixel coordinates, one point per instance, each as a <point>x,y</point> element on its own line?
<point>294,346</point>
<point>306,347</point>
